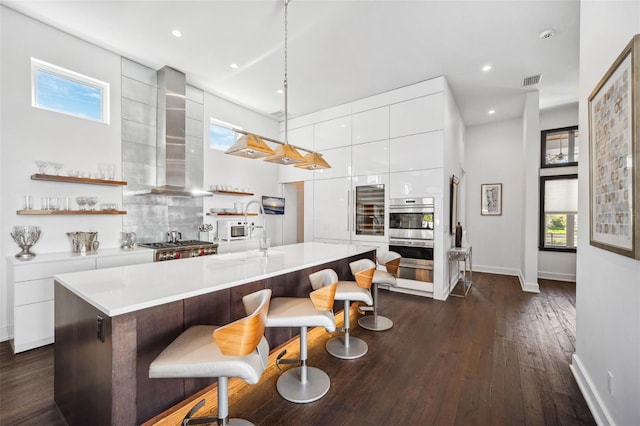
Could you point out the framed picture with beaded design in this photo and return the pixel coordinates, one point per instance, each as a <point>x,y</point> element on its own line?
<point>614,133</point>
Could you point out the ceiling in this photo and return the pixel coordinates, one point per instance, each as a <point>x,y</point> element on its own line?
<point>340,51</point>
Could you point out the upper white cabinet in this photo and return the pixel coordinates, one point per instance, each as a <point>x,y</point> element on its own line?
<point>370,158</point>
<point>303,137</point>
<point>418,115</point>
<point>372,125</point>
<point>417,183</point>
<point>421,151</point>
<point>340,161</point>
<point>331,212</point>
<point>332,134</point>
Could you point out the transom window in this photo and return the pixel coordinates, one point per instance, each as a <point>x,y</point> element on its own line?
<point>560,147</point>
<point>221,137</point>
<point>67,92</point>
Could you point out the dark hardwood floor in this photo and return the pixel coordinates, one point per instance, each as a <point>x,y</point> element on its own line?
<point>499,356</point>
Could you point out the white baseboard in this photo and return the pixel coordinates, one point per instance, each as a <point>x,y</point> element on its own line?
<point>4,333</point>
<point>556,276</point>
<point>528,287</point>
<point>598,409</point>
<point>495,270</point>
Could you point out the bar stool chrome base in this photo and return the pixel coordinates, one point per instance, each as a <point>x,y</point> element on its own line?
<point>375,323</point>
<point>347,347</point>
<point>291,387</point>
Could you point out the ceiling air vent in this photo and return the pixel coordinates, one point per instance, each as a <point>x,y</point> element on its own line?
<point>278,115</point>
<point>531,80</point>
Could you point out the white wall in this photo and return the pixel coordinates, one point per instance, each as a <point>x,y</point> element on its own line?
<point>552,264</point>
<point>608,285</point>
<point>493,153</point>
<point>30,134</point>
<point>259,176</point>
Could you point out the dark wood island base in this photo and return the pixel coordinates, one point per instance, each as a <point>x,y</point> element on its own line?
<point>102,362</point>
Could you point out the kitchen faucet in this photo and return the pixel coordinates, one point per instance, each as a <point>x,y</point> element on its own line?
<point>263,240</point>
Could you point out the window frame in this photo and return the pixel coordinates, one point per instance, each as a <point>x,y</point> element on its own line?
<point>104,87</point>
<point>543,144</point>
<point>224,125</point>
<point>541,235</point>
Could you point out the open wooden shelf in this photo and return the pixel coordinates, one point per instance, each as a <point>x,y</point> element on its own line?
<point>73,179</point>
<point>232,192</point>
<point>231,214</point>
<point>67,212</point>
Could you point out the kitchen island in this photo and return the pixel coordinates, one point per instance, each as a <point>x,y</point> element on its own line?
<point>110,324</point>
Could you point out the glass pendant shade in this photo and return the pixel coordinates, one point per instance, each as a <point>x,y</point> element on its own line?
<point>313,161</point>
<point>285,154</point>
<point>250,146</point>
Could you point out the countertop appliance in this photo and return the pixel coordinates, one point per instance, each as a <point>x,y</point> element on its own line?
<point>231,230</point>
<point>180,249</point>
<point>411,235</point>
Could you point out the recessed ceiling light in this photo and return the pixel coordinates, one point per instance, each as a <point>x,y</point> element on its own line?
<point>546,34</point>
<point>280,91</point>
<point>491,111</point>
<point>486,68</point>
<point>176,33</point>
<point>234,66</point>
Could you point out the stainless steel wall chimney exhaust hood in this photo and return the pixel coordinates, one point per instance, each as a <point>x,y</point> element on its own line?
<point>171,137</point>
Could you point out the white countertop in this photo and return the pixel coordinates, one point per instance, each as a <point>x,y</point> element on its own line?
<point>68,255</point>
<point>117,291</point>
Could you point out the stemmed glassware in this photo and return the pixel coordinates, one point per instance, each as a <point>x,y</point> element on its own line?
<point>42,166</point>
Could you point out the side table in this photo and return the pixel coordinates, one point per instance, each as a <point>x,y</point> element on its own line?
<point>462,255</point>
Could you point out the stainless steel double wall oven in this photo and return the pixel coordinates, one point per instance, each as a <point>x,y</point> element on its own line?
<point>411,235</point>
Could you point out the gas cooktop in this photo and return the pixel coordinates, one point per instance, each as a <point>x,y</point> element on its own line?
<point>181,244</point>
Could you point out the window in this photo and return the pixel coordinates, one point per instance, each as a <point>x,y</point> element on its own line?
<point>559,212</point>
<point>560,147</point>
<point>221,137</point>
<point>58,89</point>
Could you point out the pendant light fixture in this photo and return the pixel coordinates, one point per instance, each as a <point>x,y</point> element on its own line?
<point>313,161</point>
<point>250,146</point>
<point>285,154</point>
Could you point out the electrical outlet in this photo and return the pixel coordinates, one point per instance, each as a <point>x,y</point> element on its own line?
<point>610,382</point>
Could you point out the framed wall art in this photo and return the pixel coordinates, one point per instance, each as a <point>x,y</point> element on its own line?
<point>614,181</point>
<point>491,199</point>
<point>453,211</point>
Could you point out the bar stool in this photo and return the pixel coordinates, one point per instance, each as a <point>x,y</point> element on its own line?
<point>347,346</point>
<point>305,384</point>
<point>391,261</point>
<point>237,349</point>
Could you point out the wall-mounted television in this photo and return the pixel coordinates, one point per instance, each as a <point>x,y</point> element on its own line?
<point>272,205</point>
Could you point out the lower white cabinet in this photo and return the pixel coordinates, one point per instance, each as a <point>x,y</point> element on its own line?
<point>331,212</point>
<point>31,291</point>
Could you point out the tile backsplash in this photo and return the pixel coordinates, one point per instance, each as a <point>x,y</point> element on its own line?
<point>152,216</point>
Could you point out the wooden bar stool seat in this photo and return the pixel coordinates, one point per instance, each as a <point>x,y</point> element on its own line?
<point>237,349</point>
<point>391,261</point>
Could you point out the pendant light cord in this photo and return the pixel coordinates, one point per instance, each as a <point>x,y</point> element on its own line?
<point>286,112</point>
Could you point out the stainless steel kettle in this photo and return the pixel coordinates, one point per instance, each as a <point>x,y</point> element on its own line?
<point>174,236</point>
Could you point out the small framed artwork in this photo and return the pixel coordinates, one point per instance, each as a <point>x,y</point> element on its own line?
<point>614,180</point>
<point>491,199</point>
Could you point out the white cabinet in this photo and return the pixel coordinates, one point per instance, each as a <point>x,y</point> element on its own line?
<point>134,258</point>
<point>370,158</point>
<point>340,161</point>
<point>31,285</point>
<point>418,115</point>
<point>332,134</point>
<point>417,183</point>
<point>303,137</point>
<point>331,212</point>
<point>421,151</point>
<point>31,290</point>
<point>372,125</point>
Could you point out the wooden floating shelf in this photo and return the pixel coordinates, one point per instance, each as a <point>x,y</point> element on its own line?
<point>231,214</point>
<point>73,179</point>
<point>232,192</point>
<point>67,212</point>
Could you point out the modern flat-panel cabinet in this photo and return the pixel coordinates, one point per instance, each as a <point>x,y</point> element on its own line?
<point>416,183</point>
<point>418,115</point>
<point>302,136</point>
<point>332,134</point>
<point>370,158</point>
<point>415,152</point>
<point>340,161</point>
<point>31,294</point>
<point>371,125</point>
<point>331,212</point>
